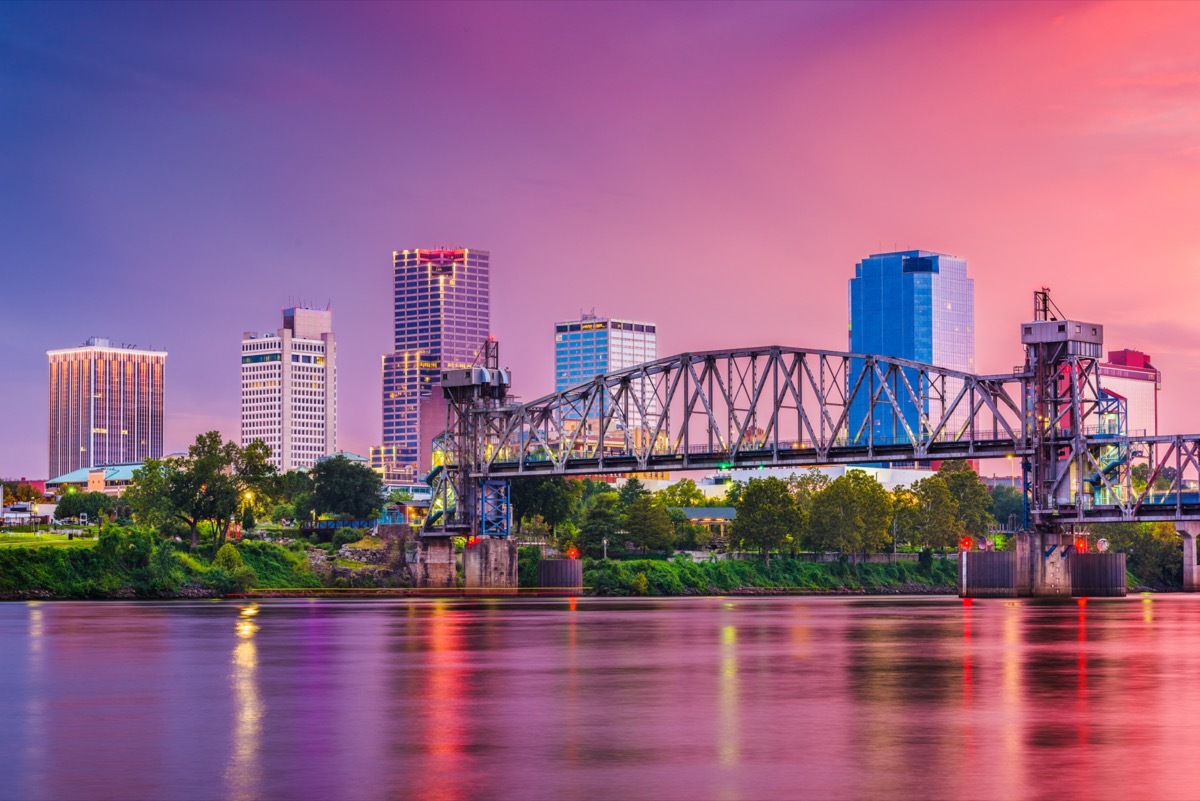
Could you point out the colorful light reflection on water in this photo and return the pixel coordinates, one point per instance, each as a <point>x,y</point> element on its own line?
<point>597,698</point>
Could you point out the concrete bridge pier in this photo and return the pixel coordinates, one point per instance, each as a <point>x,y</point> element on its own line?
<point>1191,575</point>
<point>490,563</point>
<point>1050,573</point>
<point>436,566</point>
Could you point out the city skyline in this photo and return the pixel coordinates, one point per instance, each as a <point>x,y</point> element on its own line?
<point>187,201</point>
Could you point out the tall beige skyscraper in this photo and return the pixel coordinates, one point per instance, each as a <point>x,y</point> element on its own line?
<point>289,388</point>
<point>106,405</point>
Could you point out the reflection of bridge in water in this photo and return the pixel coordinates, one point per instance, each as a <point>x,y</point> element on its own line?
<point>779,406</point>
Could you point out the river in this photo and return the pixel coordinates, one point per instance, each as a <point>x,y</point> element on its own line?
<point>721,698</point>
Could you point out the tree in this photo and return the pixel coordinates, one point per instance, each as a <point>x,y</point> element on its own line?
<point>208,484</point>
<point>733,493</point>
<point>851,515</point>
<point>630,491</point>
<point>550,497</point>
<point>682,494</point>
<point>1007,502</point>
<point>74,504</point>
<point>17,492</point>
<point>906,515</point>
<point>972,496</point>
<point>804,489</point>
<point>649,525</point>
<point>601,521</point>
<point>938,524</point>
<point>343,487</point>
<point>767,515</point>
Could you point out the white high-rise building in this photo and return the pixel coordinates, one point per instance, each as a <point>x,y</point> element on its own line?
<point>289,389</point>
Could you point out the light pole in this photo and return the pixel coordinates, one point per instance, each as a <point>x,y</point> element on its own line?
<point>1012,472</point>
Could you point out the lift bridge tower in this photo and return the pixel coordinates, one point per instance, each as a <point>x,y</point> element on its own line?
<point>1063,397</point>
<point>462,504</point>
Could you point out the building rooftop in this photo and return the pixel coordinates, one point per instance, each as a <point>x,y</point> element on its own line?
<point>112,472</point>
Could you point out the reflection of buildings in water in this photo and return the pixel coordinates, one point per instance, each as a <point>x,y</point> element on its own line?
<point>444,682</point>
<point>244,775</point>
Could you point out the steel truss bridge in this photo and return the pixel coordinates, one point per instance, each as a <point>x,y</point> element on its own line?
<point>790,407</point>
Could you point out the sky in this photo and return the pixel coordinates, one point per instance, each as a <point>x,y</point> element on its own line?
<point>175,174</point>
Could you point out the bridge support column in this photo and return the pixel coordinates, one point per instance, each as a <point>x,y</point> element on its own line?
<point>490,563</point>
<point>1049,571</point>
<point>436,566</point>
<point>1191,575</point>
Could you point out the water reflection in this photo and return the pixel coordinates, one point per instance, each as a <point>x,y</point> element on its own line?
<point>593,698</point>
<point>244,772</point>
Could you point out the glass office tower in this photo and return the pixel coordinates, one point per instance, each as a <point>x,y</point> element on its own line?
<point>441,318</point>
<point>592,346</point>
<point>915,305</point>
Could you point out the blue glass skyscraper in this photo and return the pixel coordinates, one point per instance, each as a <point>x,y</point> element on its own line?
<point>912,304</point>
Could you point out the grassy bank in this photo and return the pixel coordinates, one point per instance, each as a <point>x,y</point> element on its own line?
<point>682,576</point>
<point>135,564</point>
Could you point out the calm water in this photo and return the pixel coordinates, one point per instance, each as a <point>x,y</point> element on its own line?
<point>591,698</point>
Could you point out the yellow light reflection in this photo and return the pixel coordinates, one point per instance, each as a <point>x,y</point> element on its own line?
<point>244,773</point>
<point>728,746</point>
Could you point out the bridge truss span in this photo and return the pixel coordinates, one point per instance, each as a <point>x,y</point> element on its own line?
<point>769,406</point>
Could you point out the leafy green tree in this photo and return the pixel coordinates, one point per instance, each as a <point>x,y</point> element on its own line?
<point>767,515</point>
<point>683,494</point>
<point>971,494</point>
<point>649,525</point>
<point>74,504</point>
<point>18,492</point>
<point>851,515</point>
<point>1153,551</point>
<point>733,493</point>
<point>550,497</point>
<point>284,487</point>
<point>282,511</point>
<point>630,491</point>
<point>603,520</point>
<point>343,487</point>
<point>906,515</point>
<point>938,525</point>
<point>1007,502</point>
<point>208,484</point>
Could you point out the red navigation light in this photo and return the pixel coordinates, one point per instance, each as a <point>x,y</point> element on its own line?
<point>1081,544</point>
<point>965,543</point>
<point>472,542</point>
<point>572,552</point>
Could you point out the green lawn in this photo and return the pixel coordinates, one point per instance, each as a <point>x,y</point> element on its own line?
<point>45,538</point>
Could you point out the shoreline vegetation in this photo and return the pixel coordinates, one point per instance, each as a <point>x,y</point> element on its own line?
<point>128,563</point>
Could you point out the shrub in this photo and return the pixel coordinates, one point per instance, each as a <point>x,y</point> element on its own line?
<point>345,536</point>
<point>228,558</point>
<point>640,585</point>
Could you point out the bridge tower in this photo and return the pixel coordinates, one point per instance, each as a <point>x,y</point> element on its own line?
<point>1063,395</point>
<point>462,505</point>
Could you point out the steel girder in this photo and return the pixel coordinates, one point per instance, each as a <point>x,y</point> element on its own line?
<point>756,407</point>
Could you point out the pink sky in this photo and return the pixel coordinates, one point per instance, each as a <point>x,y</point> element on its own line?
<point>175,173</point>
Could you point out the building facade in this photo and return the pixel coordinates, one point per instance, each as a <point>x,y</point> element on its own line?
<point>1132,379</point>
<point>106,405</point>
<point>289,389</point>
<point>441,317</point>
<point>915,305</point>
<point>592,346</point>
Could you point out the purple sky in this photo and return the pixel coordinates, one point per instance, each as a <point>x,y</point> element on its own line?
<point>174,174</point>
